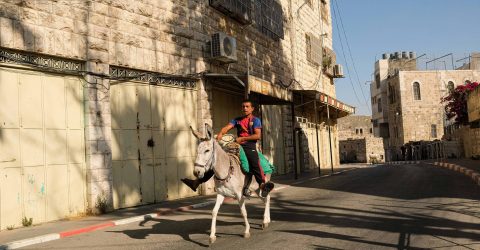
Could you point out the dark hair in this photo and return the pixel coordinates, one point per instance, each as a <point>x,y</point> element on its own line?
<point>250,101</point>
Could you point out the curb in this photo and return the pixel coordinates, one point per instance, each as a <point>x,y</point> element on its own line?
<point>401,162</point>
<point>65,234</point>
<point>474,175</point>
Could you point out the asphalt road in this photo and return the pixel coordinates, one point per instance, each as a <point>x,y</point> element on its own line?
<point>396,207</point>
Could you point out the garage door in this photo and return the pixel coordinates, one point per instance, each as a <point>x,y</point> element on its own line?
<point>152,146</point>
<point>42,156</point>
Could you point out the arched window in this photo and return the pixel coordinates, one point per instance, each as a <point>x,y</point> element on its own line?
<point>450,86</point>
<point>416,91</point>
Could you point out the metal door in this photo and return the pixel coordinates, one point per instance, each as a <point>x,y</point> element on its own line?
<point>152,146</point>
<point>42,156</point>
<point>273,137</point>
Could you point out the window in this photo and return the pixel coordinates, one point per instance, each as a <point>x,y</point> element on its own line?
<point>377,80</point>
<point>313,47</point>
<point>361,131</point>
<point>356,131</point>
<point>308,47</point>
<point>268,18</point>
<point>434,131</point>
<point>391,94</point>
<point>240,10</point>
<point>450,86</point>
<point>379,105</point>
<point>371,130</point>
<point>416,91</point>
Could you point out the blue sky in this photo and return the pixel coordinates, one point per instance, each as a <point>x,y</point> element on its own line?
<point>374,27</point>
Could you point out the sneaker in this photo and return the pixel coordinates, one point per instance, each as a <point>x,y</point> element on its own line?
<point>246,193</point>
<point>266,189</point>
<point>193,184</point>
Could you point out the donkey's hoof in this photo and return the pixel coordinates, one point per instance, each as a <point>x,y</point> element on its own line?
<point>265,225</point>
<point>213,239</point>
<point>246,235</point>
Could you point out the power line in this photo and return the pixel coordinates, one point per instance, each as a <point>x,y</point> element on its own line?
<point>345,58</point>
<point>350,52</point>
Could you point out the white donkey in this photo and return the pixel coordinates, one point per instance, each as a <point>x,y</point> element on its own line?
<point>229,179</point>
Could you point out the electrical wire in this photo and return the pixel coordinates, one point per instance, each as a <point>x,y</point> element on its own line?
<point>337,8</point>
<point>345,58</point>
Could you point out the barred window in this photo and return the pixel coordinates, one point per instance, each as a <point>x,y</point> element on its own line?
<point>308,45</point>
<point>416,91</point>
<point>434,131</point>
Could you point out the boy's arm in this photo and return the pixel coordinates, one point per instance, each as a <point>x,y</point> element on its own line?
<point>224,130</point>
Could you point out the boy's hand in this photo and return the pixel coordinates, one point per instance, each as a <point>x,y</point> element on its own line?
<point>240,139</point>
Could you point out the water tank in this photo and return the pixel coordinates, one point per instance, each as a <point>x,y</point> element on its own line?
<point>397,55</point>
<point>386,56</point>
<point>404,55</point>
<point>413,55</point>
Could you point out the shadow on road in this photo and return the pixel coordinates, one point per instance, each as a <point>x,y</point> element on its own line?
<point>183,228</point>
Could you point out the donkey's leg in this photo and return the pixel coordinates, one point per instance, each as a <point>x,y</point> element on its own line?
<point>218,203</point>
<point>266,214</point>
<point>243,210</point>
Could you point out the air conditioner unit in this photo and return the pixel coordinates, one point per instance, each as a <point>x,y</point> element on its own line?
<point>240,10</point>
<point>338,71</point>
<point>224,48</point>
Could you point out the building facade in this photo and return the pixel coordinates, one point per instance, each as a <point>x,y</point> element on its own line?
<point>97,97</point>
<point>357,142</point>
<point>406,102</point>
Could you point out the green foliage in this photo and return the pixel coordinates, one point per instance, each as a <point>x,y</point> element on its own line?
<point>27,222</point>
<point>101,204</point>
<point>456,103</point>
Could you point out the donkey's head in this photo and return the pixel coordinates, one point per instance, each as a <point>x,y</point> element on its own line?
<point>205,152</point>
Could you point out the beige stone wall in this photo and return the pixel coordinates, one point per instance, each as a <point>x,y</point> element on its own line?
<point>354,127</point>
<point>166,37</point>
<point>419,115</point>
<point>357,131</point>
<point>473,105</point>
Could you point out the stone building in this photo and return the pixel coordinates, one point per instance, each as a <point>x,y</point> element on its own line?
<point>357,142</point>
<point>97,96</point>
<point>406,101</point>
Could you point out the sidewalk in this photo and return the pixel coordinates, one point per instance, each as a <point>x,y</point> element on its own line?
<point>467,167</point>
<point>69,227</point>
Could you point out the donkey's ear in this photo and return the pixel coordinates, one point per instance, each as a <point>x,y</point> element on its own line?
<point>195,133</point>
<point>208,131</point>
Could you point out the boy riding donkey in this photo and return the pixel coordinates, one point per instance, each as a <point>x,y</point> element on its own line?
<point>249,130</point>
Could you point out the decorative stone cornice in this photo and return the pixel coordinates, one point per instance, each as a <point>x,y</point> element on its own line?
<point>40,61</point>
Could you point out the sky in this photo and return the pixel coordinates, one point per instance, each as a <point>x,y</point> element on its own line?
<point>374,27</point>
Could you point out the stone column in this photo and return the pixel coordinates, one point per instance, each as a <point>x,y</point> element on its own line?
<point>98,136</point>
<point>204,115</point>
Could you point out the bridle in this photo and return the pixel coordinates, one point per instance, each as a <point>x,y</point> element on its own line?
<point>211,162</point>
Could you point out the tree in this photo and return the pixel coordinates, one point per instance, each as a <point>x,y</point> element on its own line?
<point>456,102</point>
